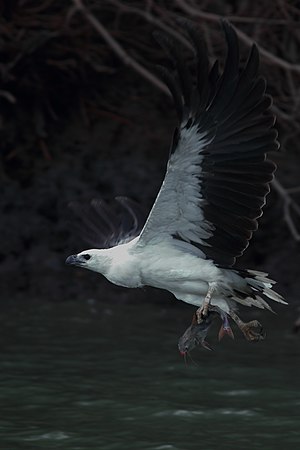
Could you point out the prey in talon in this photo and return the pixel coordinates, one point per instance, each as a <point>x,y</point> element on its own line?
<point>196,334</point>
<point>253,330</point>
<point>225,327</point>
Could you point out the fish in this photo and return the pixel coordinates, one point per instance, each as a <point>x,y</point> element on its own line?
<point>196,333</point>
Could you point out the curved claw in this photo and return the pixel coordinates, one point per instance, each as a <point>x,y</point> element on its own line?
<point>251,334</point>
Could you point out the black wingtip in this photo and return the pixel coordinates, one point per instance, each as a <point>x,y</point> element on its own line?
<point>227,26</point>
<point>229,31</point>
<point>170,81</point>
<point>179,83</point>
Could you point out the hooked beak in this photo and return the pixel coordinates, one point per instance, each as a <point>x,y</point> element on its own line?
<point>73,260</point>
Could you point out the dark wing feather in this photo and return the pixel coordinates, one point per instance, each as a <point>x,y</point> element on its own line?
<point>225,133</point>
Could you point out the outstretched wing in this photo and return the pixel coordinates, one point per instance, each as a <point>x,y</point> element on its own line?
<point>103,226</point>
<point>217,175</point>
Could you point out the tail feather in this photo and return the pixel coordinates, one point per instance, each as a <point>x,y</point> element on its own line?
<point>273,295</point>
<point>260,276</point>
<point>258,282</point>
<point>255,300</point>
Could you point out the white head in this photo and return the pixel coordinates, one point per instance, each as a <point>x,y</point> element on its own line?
<point>94,259</point>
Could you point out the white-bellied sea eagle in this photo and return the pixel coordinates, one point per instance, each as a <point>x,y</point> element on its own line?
<point>215,187</point>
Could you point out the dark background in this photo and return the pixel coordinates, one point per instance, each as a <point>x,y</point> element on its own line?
<point>79,122</point>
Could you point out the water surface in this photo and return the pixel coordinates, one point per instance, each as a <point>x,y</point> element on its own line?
<point>85,376</point>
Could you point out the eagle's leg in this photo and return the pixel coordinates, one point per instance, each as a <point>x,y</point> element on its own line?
<point>203,310</point>
<point>253,330</point>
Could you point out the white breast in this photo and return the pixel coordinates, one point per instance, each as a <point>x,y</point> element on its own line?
<point>124,269</point>
<point>166,267</point>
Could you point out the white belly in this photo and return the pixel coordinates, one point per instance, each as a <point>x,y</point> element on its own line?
<point>183,274</point>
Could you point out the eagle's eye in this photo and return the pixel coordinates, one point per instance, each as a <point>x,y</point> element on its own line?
<point>87,256</point>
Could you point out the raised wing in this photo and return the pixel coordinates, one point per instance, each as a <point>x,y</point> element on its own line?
<point>103,226</point>
<point>217,176</point>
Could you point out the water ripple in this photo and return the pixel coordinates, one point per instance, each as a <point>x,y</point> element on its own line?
<point>51,436</point>
<point>165,447</point>
<point>237,412</point>
<point>238,392</point>
<point>179,413</point>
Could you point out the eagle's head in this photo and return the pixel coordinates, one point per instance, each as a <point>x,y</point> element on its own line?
<point>94,259</point>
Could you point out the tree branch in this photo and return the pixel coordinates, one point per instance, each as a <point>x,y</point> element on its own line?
<point>288,204</point>
<point>268,56</point>
<point>116,47</point>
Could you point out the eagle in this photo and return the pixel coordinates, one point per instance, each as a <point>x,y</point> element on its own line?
<point>214,190</point>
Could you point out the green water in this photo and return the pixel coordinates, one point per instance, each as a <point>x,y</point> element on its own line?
<point>88,376</point>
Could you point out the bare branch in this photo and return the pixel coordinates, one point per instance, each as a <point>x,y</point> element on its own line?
<point>288,204</point>
<point>118,50</point>
<point>268,56</point>
<point>151,19</point>
<point>9,97</point>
